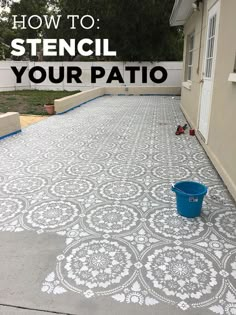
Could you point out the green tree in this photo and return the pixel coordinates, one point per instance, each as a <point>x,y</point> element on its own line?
<point>137,30</point>
<point>6,35</point>
<point>24,7</point>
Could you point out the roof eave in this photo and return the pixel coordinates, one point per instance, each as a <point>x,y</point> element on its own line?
<point>181,12</point>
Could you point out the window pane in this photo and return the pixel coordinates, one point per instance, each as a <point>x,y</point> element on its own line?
<point>212,46</point>
<point>210,29</point>
<point>213,25</point>
<point>189,73</point>
<point>191,42</point>
<point>207,67</point>
<point>210,68</point>
<point>189,56</point>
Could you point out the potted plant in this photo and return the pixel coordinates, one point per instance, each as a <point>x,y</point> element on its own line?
<point>49,106</point>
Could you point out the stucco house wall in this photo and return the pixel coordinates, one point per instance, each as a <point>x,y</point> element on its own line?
<point>221,142</point>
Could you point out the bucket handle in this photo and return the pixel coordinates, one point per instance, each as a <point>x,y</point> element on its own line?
<point>173,188</point>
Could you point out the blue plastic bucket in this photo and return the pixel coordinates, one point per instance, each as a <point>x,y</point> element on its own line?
<point>189,198</point>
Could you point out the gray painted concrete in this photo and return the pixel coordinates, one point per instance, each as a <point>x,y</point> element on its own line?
<point>88,223</point>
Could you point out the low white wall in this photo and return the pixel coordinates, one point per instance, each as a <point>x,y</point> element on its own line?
<point>8,79</point>
<point>139,90</point>
<point>9,124</point>
<point>65,104</point>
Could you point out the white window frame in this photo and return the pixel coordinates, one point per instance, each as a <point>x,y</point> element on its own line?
<point>235,64</point>
<point>189,56</point>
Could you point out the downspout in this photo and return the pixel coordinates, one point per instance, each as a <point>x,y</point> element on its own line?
<point>200,46</point>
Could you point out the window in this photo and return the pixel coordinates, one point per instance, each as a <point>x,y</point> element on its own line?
<point>189,59</point>
<point>210,46</point>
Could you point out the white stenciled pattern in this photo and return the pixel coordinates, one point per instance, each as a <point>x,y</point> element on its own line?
<point>24,185</point>
<point>219,194</point>
<point>168,223</point>
<point>10,165</point>
<point>52,215</point>
<point>119,190</point>
<point>130,171</point>
<point>98,264</point>
<point>100,177</point>
<point>112,219</point>
<point>226,223</point>
<point>230,265</point>
<point>141,239</point>
<point>78,168</point>
<point>72,188</point>
<point>216,245</point>
<point>136,294</point>
<point>226,305</point>
<point>44,168</point>
<point>10,208</point>
<point>181,272</point>
<point>208,173</point>
<point>175,172</point>
<point>162,193</point>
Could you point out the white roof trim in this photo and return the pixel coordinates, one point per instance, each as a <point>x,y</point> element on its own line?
<point>181,12</point>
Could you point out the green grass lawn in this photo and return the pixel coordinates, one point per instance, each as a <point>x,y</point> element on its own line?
<point>29,101</point>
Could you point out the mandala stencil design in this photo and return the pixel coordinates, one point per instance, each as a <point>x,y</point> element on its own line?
<point>100,178</point>
<point>72,188</point>
<point>66,154</point>
<point>219,194</point>
<point>200,157</point>
<point>10,165</point>
<point>226,223</point>
<point>130,171</point>
<point>52,215</point>
<point>86,156</point>
<point>159,157</point>
<point>177,173</point>
<point>138,157</point>
<point>181,272</point>
<point>168,223</point>
<point>112,219</point>
<point>121,190</point>
<point>97,264</point>
<point>208,173</point>
<point>44,168</point>
<point>24,185</point>
<point>91,169</point>
<point>162,193</point>
<point>230,266</point>
<point>216,245</point>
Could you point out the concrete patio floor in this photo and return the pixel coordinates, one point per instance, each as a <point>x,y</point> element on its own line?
<point>88,223</point>
<point>27,120</point>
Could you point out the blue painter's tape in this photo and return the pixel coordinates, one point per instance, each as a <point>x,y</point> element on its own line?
<point>159,94</point>
<point>77,106</point>
<point>10,134</point>
<point>145,94</point>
